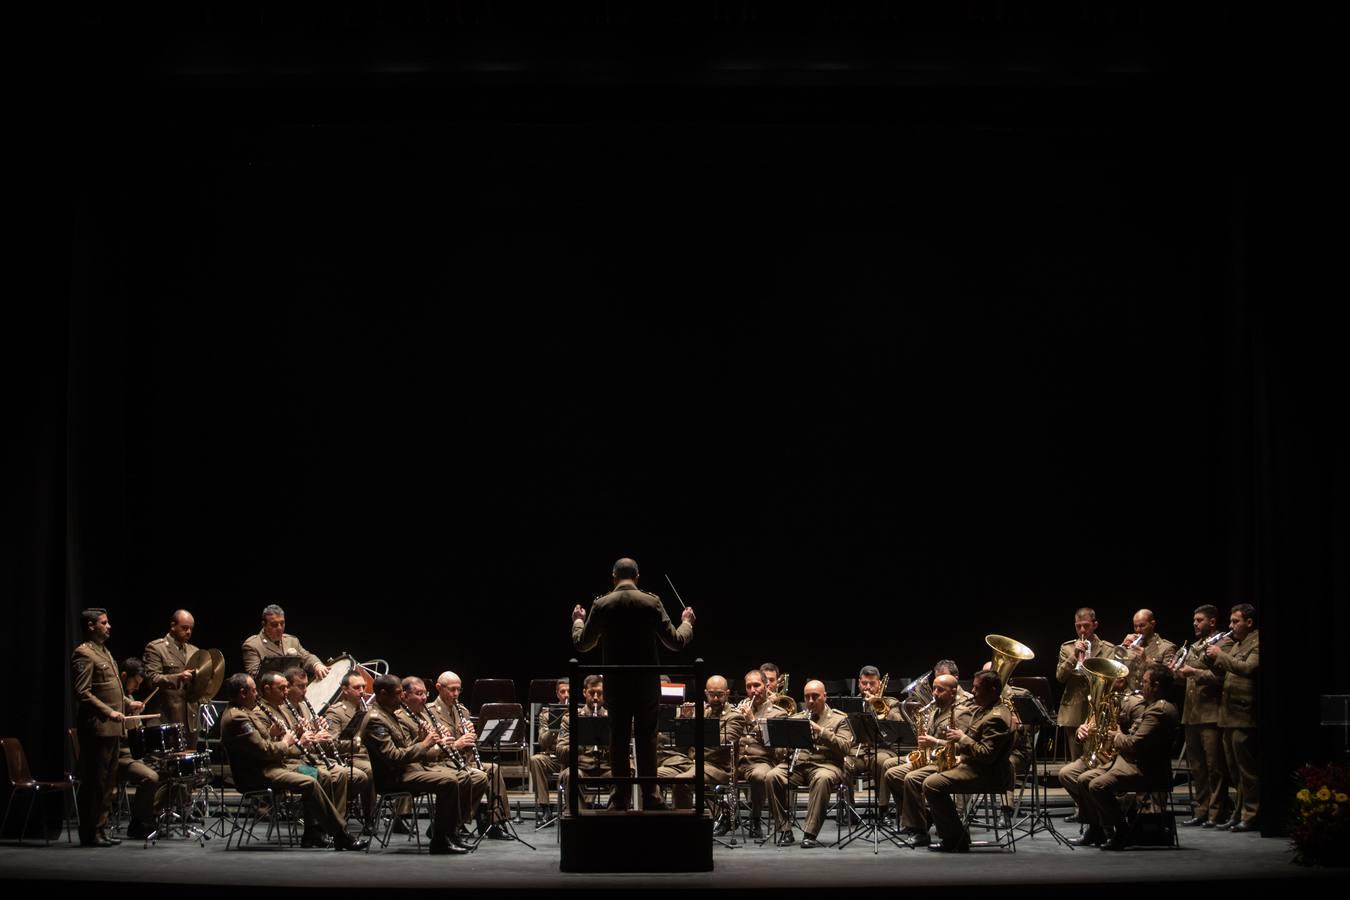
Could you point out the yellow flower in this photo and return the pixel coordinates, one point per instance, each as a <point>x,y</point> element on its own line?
<point>1304,795</point>
<point>1341,798</point>
<point>1324,794</point>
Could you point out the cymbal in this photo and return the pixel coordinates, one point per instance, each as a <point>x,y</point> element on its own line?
<point>210,674</point>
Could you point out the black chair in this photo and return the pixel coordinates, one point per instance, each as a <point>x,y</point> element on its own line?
<point>21,781</point>
<point>491,690</point>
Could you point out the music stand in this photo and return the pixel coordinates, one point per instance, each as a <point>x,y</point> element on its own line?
<point>787,734</point>
<point>873,732</point>
<point>495,733</point>
<point>1035,716</point>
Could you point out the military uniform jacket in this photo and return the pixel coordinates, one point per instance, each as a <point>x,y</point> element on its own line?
<point>1073,706</point>
<point>832,743</point>
<point>1204,689</point>
<point>339,715</point>
<point>988,741</point>
<point>731,726</point>
<point>1156,649</point>
<point>1239,663</point>
<point>254,756</point>
<point>548,737</point>
<point>586,757</point>
<point>98,690</point>
<point>391,740</point>
<point>893,714</point>
<point>628,624</point>
<point>752,748</point>
<point>257,648</point>
<point>164,660</point>
<point>1147,748</point>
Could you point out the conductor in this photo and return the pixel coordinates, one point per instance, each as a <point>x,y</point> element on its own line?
<point>627,623</point>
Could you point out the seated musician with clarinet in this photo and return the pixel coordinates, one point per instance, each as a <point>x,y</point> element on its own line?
<point>592,761</point>
<point>455,719</point>
<point>450,751</point>
<point>323,734</point>
<point>821,768</point>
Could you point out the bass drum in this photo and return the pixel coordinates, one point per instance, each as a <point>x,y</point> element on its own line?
<point>323,691</point>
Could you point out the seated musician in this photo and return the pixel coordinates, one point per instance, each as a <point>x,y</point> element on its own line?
<point>1022,733</point>
<point>350,705</point>
<point>272,688</point>
<point>731,725</point>
<point>1143,757</point>
<point>545,762</point>
<point>399,748</point>
<point>592,761</point>
<point>454,716</point>
<point>1074,776</point>
<point>261,754</point>
<point>148,797</point>
<point>983,751</point>
<point>473,781</point>
<point>313,729</point>
<point>756,760</point>
<point>862,761</point>
<point>821,768</point>
<point>273,641</point>
<point>905,780</point>
<point>772,679</point>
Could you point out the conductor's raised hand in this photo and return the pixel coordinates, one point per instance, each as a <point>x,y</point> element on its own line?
<point>578,613</point>
<point>688,615</point>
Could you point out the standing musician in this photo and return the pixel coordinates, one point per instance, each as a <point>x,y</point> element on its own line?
<point>307,746</point>
<point>1239,658</point>
<point>756,761</point>
<point>100,723</point>
<point>861,759</point>
<point>398,749</point>
<point>262,753</point>
<point>1073,706</point>
<point>821,767</point>
<point>1143,758</point>
<point>134,772</point>
<point>273,640</point>
<point>167,673</point>
<point>948,711</point>
<point>453,716</point>
<point>628,624</point>
<point>313,728</point>
<point>1145,646</point>
<point>983,763</point>
<point>546,762</point>
<point>592,762</point>
<point>1075,776</point>
<point>1200,718</point>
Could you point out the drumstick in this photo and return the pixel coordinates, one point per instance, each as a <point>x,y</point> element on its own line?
<point>139,718</point>
<point>152,693</point>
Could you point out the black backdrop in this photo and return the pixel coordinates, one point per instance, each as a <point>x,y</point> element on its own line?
<point>871,366</point>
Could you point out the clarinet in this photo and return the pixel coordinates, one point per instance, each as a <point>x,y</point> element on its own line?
<point>468,728</point>
<point>318,745</point>
<point>447,747</point>
<point>321,724</point>
<point>309,758</point>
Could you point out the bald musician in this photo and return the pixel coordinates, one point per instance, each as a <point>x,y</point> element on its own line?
<point>454,716</point>
<point>167,674</point>
<point>1144,646</point>
<point>272,640</point>
<point>948,711</point>
<point>821,768</point>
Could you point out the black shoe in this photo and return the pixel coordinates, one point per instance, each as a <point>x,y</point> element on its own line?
<point>452,848</point>
<point>1210,824</point>
<point>1195,821</point>
<point>1093,837</point>
<point>809,842</point>
<point>922,839</point>
<point>138,832</point>
<point>103,835</point>
<point>1117,842</point>
<point>784,839</point>
<point>498,833</point>
<point>1242,826</point>
<point>344,841</point>
<point>910,831</point>
<point>312,839</point>
<point>1072,818</point>
<point>96,842</point>
<point>756,830</point>
<point>950,847</point>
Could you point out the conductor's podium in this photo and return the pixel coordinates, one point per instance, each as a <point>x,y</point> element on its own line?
<point>622,841</point>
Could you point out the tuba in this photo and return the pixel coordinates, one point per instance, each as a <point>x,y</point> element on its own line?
<point>1007,654</point>
<point>781,699</point>
<point>1104,707</point>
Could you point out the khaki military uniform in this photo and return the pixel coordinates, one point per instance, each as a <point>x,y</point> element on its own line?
<point>1073,705</point>
<point>399,761</point>
<point>334,778</point>
<point>717,760</point>
<point>983,766</point>
<point>1154,649</point>
<point>907,782</point>
<point>164,659</point>
<point>1237,717</point>
<point>756,760</point>
<point>860,759</point>
<point>821,769</point>
<point>490,774</point>
<point>339,716</point>
<point>258,647</point>
<point>1075,775</point>
<point>258,762</point>
<point>1143,761</point>
<point>1204,738</point>
<point>545,762</point>
<point>98,695</point>
<point>592,762</point>
<point>672,763</point>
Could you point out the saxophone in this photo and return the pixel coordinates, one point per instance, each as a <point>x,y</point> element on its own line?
<point>919,758</point>
<point>944,755</point>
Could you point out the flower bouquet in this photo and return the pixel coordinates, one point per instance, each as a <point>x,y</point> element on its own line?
<point>1322,816</point>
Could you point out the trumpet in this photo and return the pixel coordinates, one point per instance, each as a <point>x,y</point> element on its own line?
<point>1180,659</point>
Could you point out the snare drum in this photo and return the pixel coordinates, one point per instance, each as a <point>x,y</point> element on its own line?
<point>157,740</point>
<point>186,765</point>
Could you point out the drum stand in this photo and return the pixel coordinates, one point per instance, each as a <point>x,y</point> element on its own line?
<point>176,817</point>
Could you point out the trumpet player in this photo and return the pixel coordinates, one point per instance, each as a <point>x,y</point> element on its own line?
<point>454,717</point>
<point>1075,776</point>
<point>1145,646</point>
<point>756,760</point>
<point>905,779</point>
<point>1239,658</point>
<point>861,760</point>
<point>821,768</point>
<point>322,732</point>
<point>305,748</point>
<point>1200,718</point>
<point>1073,706</point>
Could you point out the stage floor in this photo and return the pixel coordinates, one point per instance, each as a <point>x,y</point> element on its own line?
<point>1205,856</point>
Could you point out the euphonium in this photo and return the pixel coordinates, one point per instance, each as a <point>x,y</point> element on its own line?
<point>781,699</point>
<point>1007,654</point>
<point>1103,708</point>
